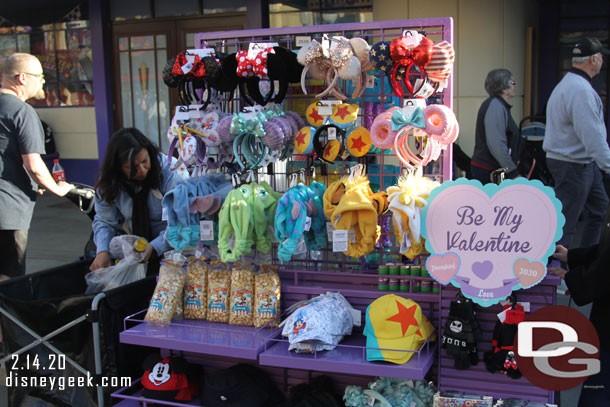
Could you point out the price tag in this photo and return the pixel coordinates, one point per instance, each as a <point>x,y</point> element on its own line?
<point>302,40</point>
<point>325,110</point>
<point>206,230</point>
<point>329,231</point>
<point>326,47</point>
<point>352,235</point>
<point>187,67</point>
<point>370,81</point>
<point>356,316</point>
<point>334,43</point>
<point>301,247</point>
<point>195,112</point>
<point>332,133</point>
<point>181,113</point>
<point>164,214</point>
<point>502,315</point>
<point>307,224</point>
<point>202,52</point>
<point>340,240</point>
<point>255,47</point>
<point>405,244</point>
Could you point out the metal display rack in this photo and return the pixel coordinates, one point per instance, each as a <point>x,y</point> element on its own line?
<point>216,345</point>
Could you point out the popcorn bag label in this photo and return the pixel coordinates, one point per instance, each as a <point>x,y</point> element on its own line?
<point>267,304</point>
<point>242,302</point>
<point>218,298</point>
<point>194,292</point>
<point>159,298</point>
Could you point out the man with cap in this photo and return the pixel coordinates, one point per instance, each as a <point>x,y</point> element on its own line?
<point>22,169</point>
<point>575,143</point>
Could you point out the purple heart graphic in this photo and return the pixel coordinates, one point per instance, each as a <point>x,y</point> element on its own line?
<point>482,269</point>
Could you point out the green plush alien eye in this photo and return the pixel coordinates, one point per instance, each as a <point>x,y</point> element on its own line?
<point>262,193</point>
<point>245,192</point>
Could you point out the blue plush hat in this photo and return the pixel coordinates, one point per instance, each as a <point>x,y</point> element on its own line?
<point>290,218</point>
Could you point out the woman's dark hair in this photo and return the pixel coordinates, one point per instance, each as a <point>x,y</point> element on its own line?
<point>498,81</point>
<point>123,146</point>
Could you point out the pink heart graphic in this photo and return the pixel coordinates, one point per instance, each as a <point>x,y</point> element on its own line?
<point>443,267</point>
<point>482,269</point>
<point>528,272</point>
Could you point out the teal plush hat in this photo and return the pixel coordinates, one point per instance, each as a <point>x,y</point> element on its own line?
<point>290,220</point>
<point>317,232</point>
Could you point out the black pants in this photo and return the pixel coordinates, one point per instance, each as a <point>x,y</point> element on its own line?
<point>12,252</point>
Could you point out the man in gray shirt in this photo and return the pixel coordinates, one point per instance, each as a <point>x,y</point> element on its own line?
<point>22,169</point>
<point>575,143</point>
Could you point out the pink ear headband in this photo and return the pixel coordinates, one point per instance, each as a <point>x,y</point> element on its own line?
<point>382,135</point>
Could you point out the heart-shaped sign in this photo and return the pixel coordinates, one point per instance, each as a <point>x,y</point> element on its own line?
<point>528,272</point>
<point>490,227</point>
<point>443,267</point>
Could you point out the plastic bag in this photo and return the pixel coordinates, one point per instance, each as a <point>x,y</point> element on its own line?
<point>267,297</point>
<point>242,301</point>
<point>107,278</point>
<point>124,247</point>
<point>195,290</point>
<point>166,296</point>
<point>219,285</point>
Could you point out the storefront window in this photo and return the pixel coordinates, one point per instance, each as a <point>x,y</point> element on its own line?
<point>121,10</point>
<point>64,51</point>
<point>164,8</point>
<point>315,12</point>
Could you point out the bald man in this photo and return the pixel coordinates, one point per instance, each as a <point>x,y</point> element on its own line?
<point>23,173</point>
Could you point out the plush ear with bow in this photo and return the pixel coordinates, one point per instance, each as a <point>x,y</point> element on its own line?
<point>281,65</point>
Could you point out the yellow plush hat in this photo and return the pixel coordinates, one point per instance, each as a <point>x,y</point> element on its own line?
<point>313,116</point>
<point>303,141</point>
<point>358,141</point>
<point>332,196</point>
<point>393,322</point>
<point>356,210</point>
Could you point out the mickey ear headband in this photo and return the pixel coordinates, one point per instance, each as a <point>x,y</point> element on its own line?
<point>406,56</point>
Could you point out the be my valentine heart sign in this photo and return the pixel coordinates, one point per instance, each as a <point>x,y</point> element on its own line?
<point>493,239</point>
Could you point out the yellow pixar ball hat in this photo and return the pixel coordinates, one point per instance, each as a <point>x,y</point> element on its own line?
<point>358,141</point>
<point>313,116</point>
<point>394,322</point>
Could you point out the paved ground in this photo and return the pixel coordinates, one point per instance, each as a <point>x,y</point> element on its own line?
<point>58,235</point>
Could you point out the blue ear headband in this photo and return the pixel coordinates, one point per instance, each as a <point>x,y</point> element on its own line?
<point>289,229</point>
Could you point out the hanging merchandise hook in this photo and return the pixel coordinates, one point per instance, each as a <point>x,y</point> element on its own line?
<point>235,180</point>
<point>302,175</point>
<point>293,180</point>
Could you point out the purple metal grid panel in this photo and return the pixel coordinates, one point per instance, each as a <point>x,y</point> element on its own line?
<point>477,379</point>
<point>198,336</point>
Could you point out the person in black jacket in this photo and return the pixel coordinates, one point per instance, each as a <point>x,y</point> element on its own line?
<point>588,280</point>
<point>496,134</point>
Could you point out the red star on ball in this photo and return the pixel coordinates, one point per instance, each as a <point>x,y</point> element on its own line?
<point>406,317</point>
<point>357,144</point>
<point>342,111</point>
<point>300,138</point>
<point>315,115</point>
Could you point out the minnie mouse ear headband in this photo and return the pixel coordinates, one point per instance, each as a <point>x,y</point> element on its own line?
<point>329,65</point>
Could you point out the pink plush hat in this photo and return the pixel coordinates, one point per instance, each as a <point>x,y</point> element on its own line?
<point>382,135</point>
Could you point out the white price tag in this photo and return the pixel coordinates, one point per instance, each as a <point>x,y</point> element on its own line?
<point>326,47</point>
<point>370,81</point>
<point>195,112</point>
<point>502,315</point>
<point>334,43</point>
<point>301,40</point>
<point>352,235</point>
<point>356,316</point>
<point>301,246</point>
<point>181,113</point>
<point>332,133</point>
<point>187,68</point>
<point>405,244</point>
<point>340,240</point>
<point>325,110</point>
<point>206,230</point>
<point>329,231</point>
<point>255,47</point>
<point>307,224</point>
<point>164,214</point>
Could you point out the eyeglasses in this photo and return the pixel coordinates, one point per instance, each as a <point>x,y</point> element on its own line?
<point>38,75</point>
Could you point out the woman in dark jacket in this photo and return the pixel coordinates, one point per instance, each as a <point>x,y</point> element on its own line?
<point>496,131</point>
<point>589,282</point>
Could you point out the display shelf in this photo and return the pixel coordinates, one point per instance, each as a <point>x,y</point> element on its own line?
<point>348,357</point>
<point>198,336</point>
<point>132,397</point>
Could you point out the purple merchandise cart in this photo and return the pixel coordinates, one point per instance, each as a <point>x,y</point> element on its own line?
<point>219,345</point>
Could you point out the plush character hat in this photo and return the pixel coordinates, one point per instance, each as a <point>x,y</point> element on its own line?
<point>236,218</point>
<point>393,322</point>
<point>290,221</point>
<point>166,379</point>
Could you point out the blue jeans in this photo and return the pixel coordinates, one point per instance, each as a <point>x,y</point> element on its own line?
<point>481,174</point>
<point>579,186</point>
